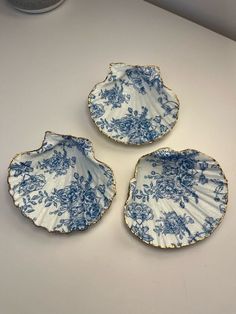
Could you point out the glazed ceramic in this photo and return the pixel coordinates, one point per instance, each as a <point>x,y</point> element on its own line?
<point>176,198</point>
<point>61,186</point>
<point>36,6</point>
<point>132,105</point>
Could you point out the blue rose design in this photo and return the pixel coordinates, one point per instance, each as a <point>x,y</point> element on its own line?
<point>31,183</point>
<point>92,213</point>
<point>171,223</point>
<point>115,96</point>
<point>166,188</point>
<point>97,110</point>
<point>186,163</point>
<point>21,168</point>
<point>142,232</point>
<point>126,124</point>
<point>88,196</point>
<point>186,179</point>
<point>68,194</point>
<point>139,212</point>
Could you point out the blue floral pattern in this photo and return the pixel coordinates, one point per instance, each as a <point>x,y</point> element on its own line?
<point>58,163</point>
<point>138,76</point>
<point>30,183</point>
<point>21,168</point>
<point>81,200</point>
<point>97,111</point>
<point>135,125</point>
<point>171,223</point>
<point>140,213</point>
<point>190,192</point>
<point>115,96</point>
<point>176,181</point>
<point>61,186</point>
<point>132,105</point>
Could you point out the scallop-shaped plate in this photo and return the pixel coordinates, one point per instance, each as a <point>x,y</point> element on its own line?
<point>132,105</point>
<point>61,186</point>
<point>176,198</point>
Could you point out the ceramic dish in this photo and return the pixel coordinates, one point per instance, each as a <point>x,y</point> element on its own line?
<point>132,105</point>
<point>176,198</point>
<point>61,186</point>
<point>36,6</point>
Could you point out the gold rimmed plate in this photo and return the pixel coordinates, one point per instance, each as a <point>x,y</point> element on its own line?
<point>61,186</point>
<point>176,198</point>
<point>132,105</point>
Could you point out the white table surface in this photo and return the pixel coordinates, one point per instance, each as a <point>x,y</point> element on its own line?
<point>48,65</point>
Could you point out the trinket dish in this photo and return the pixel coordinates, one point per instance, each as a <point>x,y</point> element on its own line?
<point>36,6</point>
<point>132,105</point>
<point>61,186</point>
<point>176,198</point>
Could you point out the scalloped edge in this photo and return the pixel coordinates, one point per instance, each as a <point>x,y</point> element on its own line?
<point>95,159</point>
<point>135,178</point>
<point>119,141</point>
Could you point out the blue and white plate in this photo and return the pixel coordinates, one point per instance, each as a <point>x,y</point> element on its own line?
<point>176,198</point>
<point>132,105</point>
<point>61,186</point>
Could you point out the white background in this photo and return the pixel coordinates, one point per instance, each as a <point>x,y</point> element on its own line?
<point>48,65</point>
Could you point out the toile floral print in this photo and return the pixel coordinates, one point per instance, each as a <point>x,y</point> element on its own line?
<point>61,186</point>
<point>132,105</point>
<point>178,199</point>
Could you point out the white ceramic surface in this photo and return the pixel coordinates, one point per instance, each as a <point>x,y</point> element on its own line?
<point>48,65</point>
<point>176,198</point>
<point>132,105</point>
<point>61,186</point>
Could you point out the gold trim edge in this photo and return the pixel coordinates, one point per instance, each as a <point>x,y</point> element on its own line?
<point>119,141</point>
<point>129,194</point>
<point>114,190</point>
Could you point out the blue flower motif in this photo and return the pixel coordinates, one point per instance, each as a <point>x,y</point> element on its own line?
<point>140,75</point>
<point>114,96</point>
<point>187,211</point>
<point>30,183</point>
<point>88,196</point>
<point>21,168</point>
<point>142,232</point>
<point>97,110</point>
<point>77,198</point>
<point>210,224</point>
<point>125,89</point>
<point>171,223</point>
<point>139,212</point>
<point>81,200</point>
<point>73,224</point>
<point>134,75</point>
<point>203,165</point>
<point>175,180</point>
<point>186,179</point>
<point>208,227</point>
<point>185,163</point>
<point>203,179</point>
<point>93,213</point>
<point>83,145</point>
<point>136,126</point>
<point>59,163</point>
<point>108,174</point>
<point>220,196</point>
